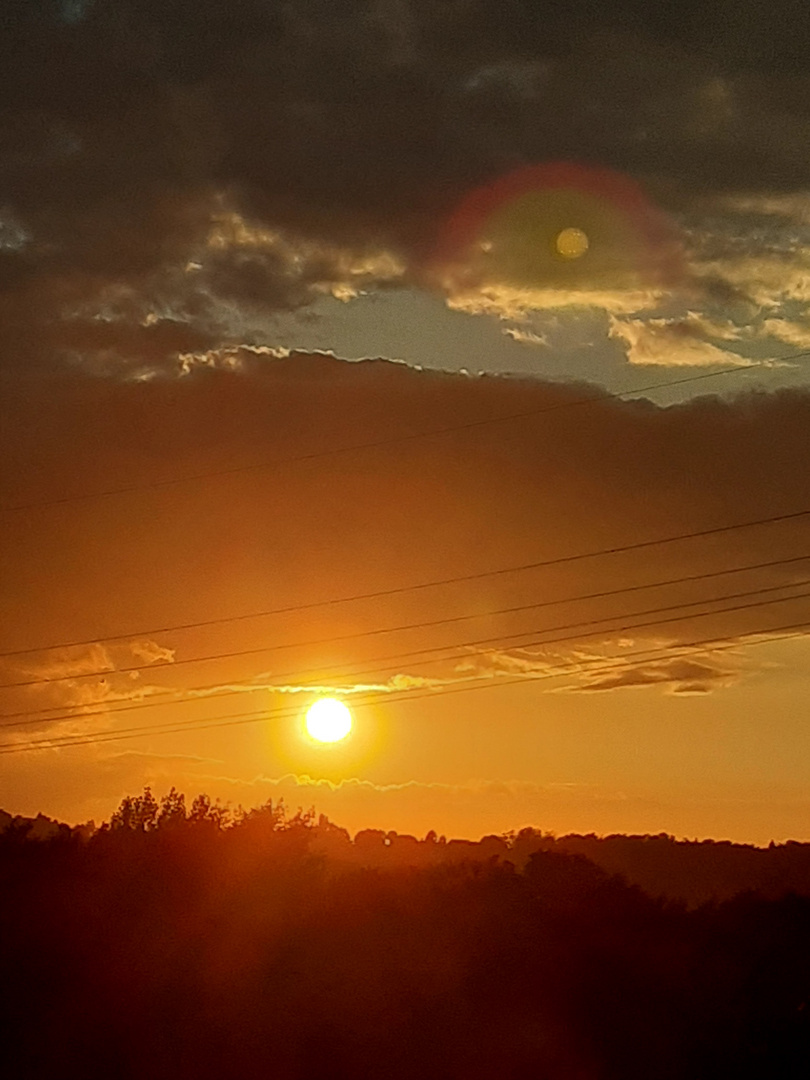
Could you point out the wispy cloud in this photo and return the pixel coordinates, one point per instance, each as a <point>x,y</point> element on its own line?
<point>69,663</point>
<point>679,675</point>
<point>150,652</point>
<point>264,683</point>
<point>671,343</point>
<point>526,337</point>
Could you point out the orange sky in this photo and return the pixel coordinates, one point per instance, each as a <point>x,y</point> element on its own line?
<point>209,218</point>
<point>708,744</point>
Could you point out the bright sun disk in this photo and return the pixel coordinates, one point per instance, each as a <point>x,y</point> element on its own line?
<point>328,720</point>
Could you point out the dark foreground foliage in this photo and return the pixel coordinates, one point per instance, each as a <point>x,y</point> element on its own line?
<point>195,945</point>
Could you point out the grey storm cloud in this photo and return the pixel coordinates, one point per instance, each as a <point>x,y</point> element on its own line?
<point>353,127</point>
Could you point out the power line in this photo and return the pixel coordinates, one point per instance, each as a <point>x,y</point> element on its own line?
<point>333,639</point>
<point>400,589</point>
<point>41,713</point>
<point>377,443</point>
<point>253,717</point>
<point>466,645</point>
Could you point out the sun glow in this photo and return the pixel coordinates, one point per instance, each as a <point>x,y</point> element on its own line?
<point>328,720</point>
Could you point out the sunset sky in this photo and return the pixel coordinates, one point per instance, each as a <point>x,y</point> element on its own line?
<point>307,389</point>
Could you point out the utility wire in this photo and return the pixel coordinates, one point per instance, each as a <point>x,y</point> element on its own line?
<point>388,441</point>
<point>400,589</point>
<point>444,659</point>
<point>42,713</point>
<point>264,715</point>
<point>263,649</point>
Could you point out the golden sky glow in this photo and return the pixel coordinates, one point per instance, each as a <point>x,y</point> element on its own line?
<point>551,695</point>
<point>447,361</point>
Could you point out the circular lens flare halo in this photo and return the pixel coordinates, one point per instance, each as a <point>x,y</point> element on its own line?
<point>532,226</point>
<point>328,720</point>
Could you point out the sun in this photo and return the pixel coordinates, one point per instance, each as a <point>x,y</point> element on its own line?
<point>328,720</point>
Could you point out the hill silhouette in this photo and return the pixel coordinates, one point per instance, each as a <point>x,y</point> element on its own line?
<point>203,942</point>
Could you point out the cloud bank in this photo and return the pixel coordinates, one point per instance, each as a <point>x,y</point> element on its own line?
<point>183,169</point>
<point>256,523</point>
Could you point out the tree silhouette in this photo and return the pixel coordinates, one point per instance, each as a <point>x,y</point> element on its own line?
<point>172,810</point>
<point>138,813</point>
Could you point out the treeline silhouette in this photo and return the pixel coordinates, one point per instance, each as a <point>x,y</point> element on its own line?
<point>200,941</point>
<point>695,871</point>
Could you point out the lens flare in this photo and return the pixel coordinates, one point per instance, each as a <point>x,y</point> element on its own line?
<point>571,243</point>
<point>560,225</point>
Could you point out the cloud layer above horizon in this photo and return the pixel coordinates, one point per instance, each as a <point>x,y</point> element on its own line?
<point>168,175</point>
<point>278,510</point>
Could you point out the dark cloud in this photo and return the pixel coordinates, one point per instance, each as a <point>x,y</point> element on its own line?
<point>571,480</point>
<point>355,128</point>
